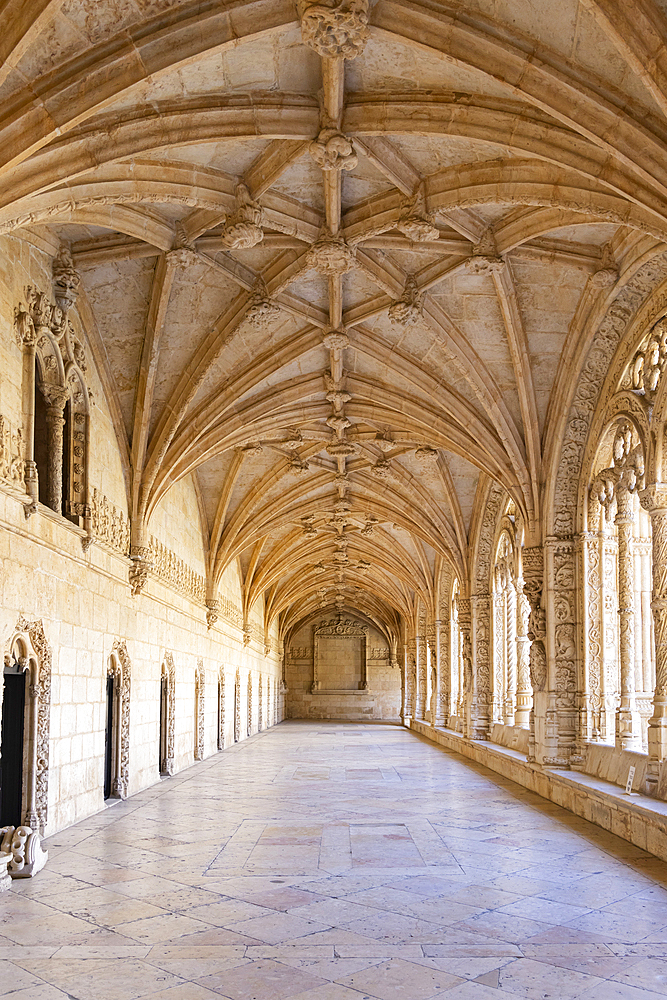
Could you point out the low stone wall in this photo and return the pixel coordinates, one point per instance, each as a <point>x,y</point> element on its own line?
<point>606,762</point>
<point>512,737</point>
<point>637,818</point>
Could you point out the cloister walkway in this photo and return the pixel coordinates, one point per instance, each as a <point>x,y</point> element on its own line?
<point>322,861</point>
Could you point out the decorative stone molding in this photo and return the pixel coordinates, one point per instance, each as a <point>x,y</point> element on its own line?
<point>249,703</point>
<point>171,569</point>
<point>330,255</point>
<point>169,749</point>
<point>140,568</point>
<point>221,708</point>
<point>24,846</point>
<point>121,669</point>
<point>200,718</point>
<point>533,586</point>
<point>333,151</point>
<point>109,525</point>
<point>212,612</point>
<point>649,363</point>
<point>66,279</point>
<point>12,465</point>
<point>29,642</point>
<point>334,27</point>
<point>237,706</point>
<point>243,229</point>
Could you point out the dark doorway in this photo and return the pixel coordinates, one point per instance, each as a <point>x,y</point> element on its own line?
<point>11,747</point>
<point>164,694</point>
<point>109,739</point>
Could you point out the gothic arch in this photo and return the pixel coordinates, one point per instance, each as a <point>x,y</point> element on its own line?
<point>29,647</point>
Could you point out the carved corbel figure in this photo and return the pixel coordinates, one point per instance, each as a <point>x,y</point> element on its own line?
<point>140,567</point>
<point>66,279</point>
<point>243,229</point>
<point>407,310</point>
<point>485,258</point>
<point>262,310</point>
<point>183,252</point>
<point>607,274</point>
<point>212,612</point>
<point>333,151</point>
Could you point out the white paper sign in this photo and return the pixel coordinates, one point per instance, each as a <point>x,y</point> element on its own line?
<point>631,778</point>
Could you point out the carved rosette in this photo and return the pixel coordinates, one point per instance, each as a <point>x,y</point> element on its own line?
<point>334,28</point>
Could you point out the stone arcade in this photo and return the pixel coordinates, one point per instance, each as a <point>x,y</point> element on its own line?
<point>333,341</point>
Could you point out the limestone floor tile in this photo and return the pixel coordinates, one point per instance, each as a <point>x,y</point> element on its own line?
<point>332,969</point>
<point>223,912</point>
<point>285,898</point>
<point>13,977</point>
<point>615,926</point>
<point>332,991</point>
<point>165,927</point>
<point>189,967</point>
<point>43,992</point>
<point>183,898</point>
<point>262,980</point>
<point>535,908</point>
<point>400,980</point>
<point>443,911</point>
<point>277,927</point>
<point>538,981</point>
<point>610,990</point>
<point>383,898</point>
<point>395,927</point>
<point>137,979</point>
<point>502,925</point>
<point>649,973</point>
<point>185,991</point>
<point>112,914</point>
<point>334,911</point>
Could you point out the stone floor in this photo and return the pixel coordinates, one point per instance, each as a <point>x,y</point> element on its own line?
<point>324,861</point>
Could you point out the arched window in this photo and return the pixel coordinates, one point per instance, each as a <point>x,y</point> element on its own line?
<point>504,631</point>
<point>619,660</point>
<point>117,724</point>
<point>221,709</point>
<point>237,707</point>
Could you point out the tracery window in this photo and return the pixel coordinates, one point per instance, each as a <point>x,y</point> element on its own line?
<point>619,661</point>
<point>55,430</point>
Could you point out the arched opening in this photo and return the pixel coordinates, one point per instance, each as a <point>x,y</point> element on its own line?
<point>164,714</point>
<point>41,447</point>
<point>237,708</point>
<point>13,742</point>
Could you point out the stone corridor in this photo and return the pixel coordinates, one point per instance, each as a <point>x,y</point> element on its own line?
<point>322,861</point>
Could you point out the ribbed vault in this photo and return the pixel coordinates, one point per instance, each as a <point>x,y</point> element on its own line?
<point>342,288</point>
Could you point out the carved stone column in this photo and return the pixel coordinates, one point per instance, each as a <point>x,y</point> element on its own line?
<point>524,691</point>
<point>56,400</point>
<point>533,585</point>
<point>465,629</point>
<point>589,693</point>
<point>499,652</point>
<point>443,660</point>
<point>509,713</point>
<point>628,726</point>
<point>654,500</point>
<point>422,681</point>
<point>27,341</point>
<point>480,700</point>
<point>410,678</point>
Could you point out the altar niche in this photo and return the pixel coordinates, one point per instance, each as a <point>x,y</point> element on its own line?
<point>340,656</point>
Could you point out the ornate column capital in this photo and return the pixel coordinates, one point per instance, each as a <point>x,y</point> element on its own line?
<point>654,497</point>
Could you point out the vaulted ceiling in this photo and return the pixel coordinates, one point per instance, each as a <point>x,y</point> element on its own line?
<point>342,291</point>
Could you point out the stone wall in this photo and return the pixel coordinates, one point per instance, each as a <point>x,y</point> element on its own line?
<point>83,599</point>
<point>382,700</point>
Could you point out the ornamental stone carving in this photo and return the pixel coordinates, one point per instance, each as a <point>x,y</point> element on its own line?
<point>200,719</point>
<point>649,363</point>
<point>167,762</point>
<point>24,846</point>
<point>334,27</point>
<point>407,310</point>
<point>485,258</point>
<point>124,680</point>
<point>212,612</point>
<point>262,310</point>
<point>330,255</point>
<point>333,151</point>
<point>66,279</point>
<point>243,229</point>
<point>418,228</point>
